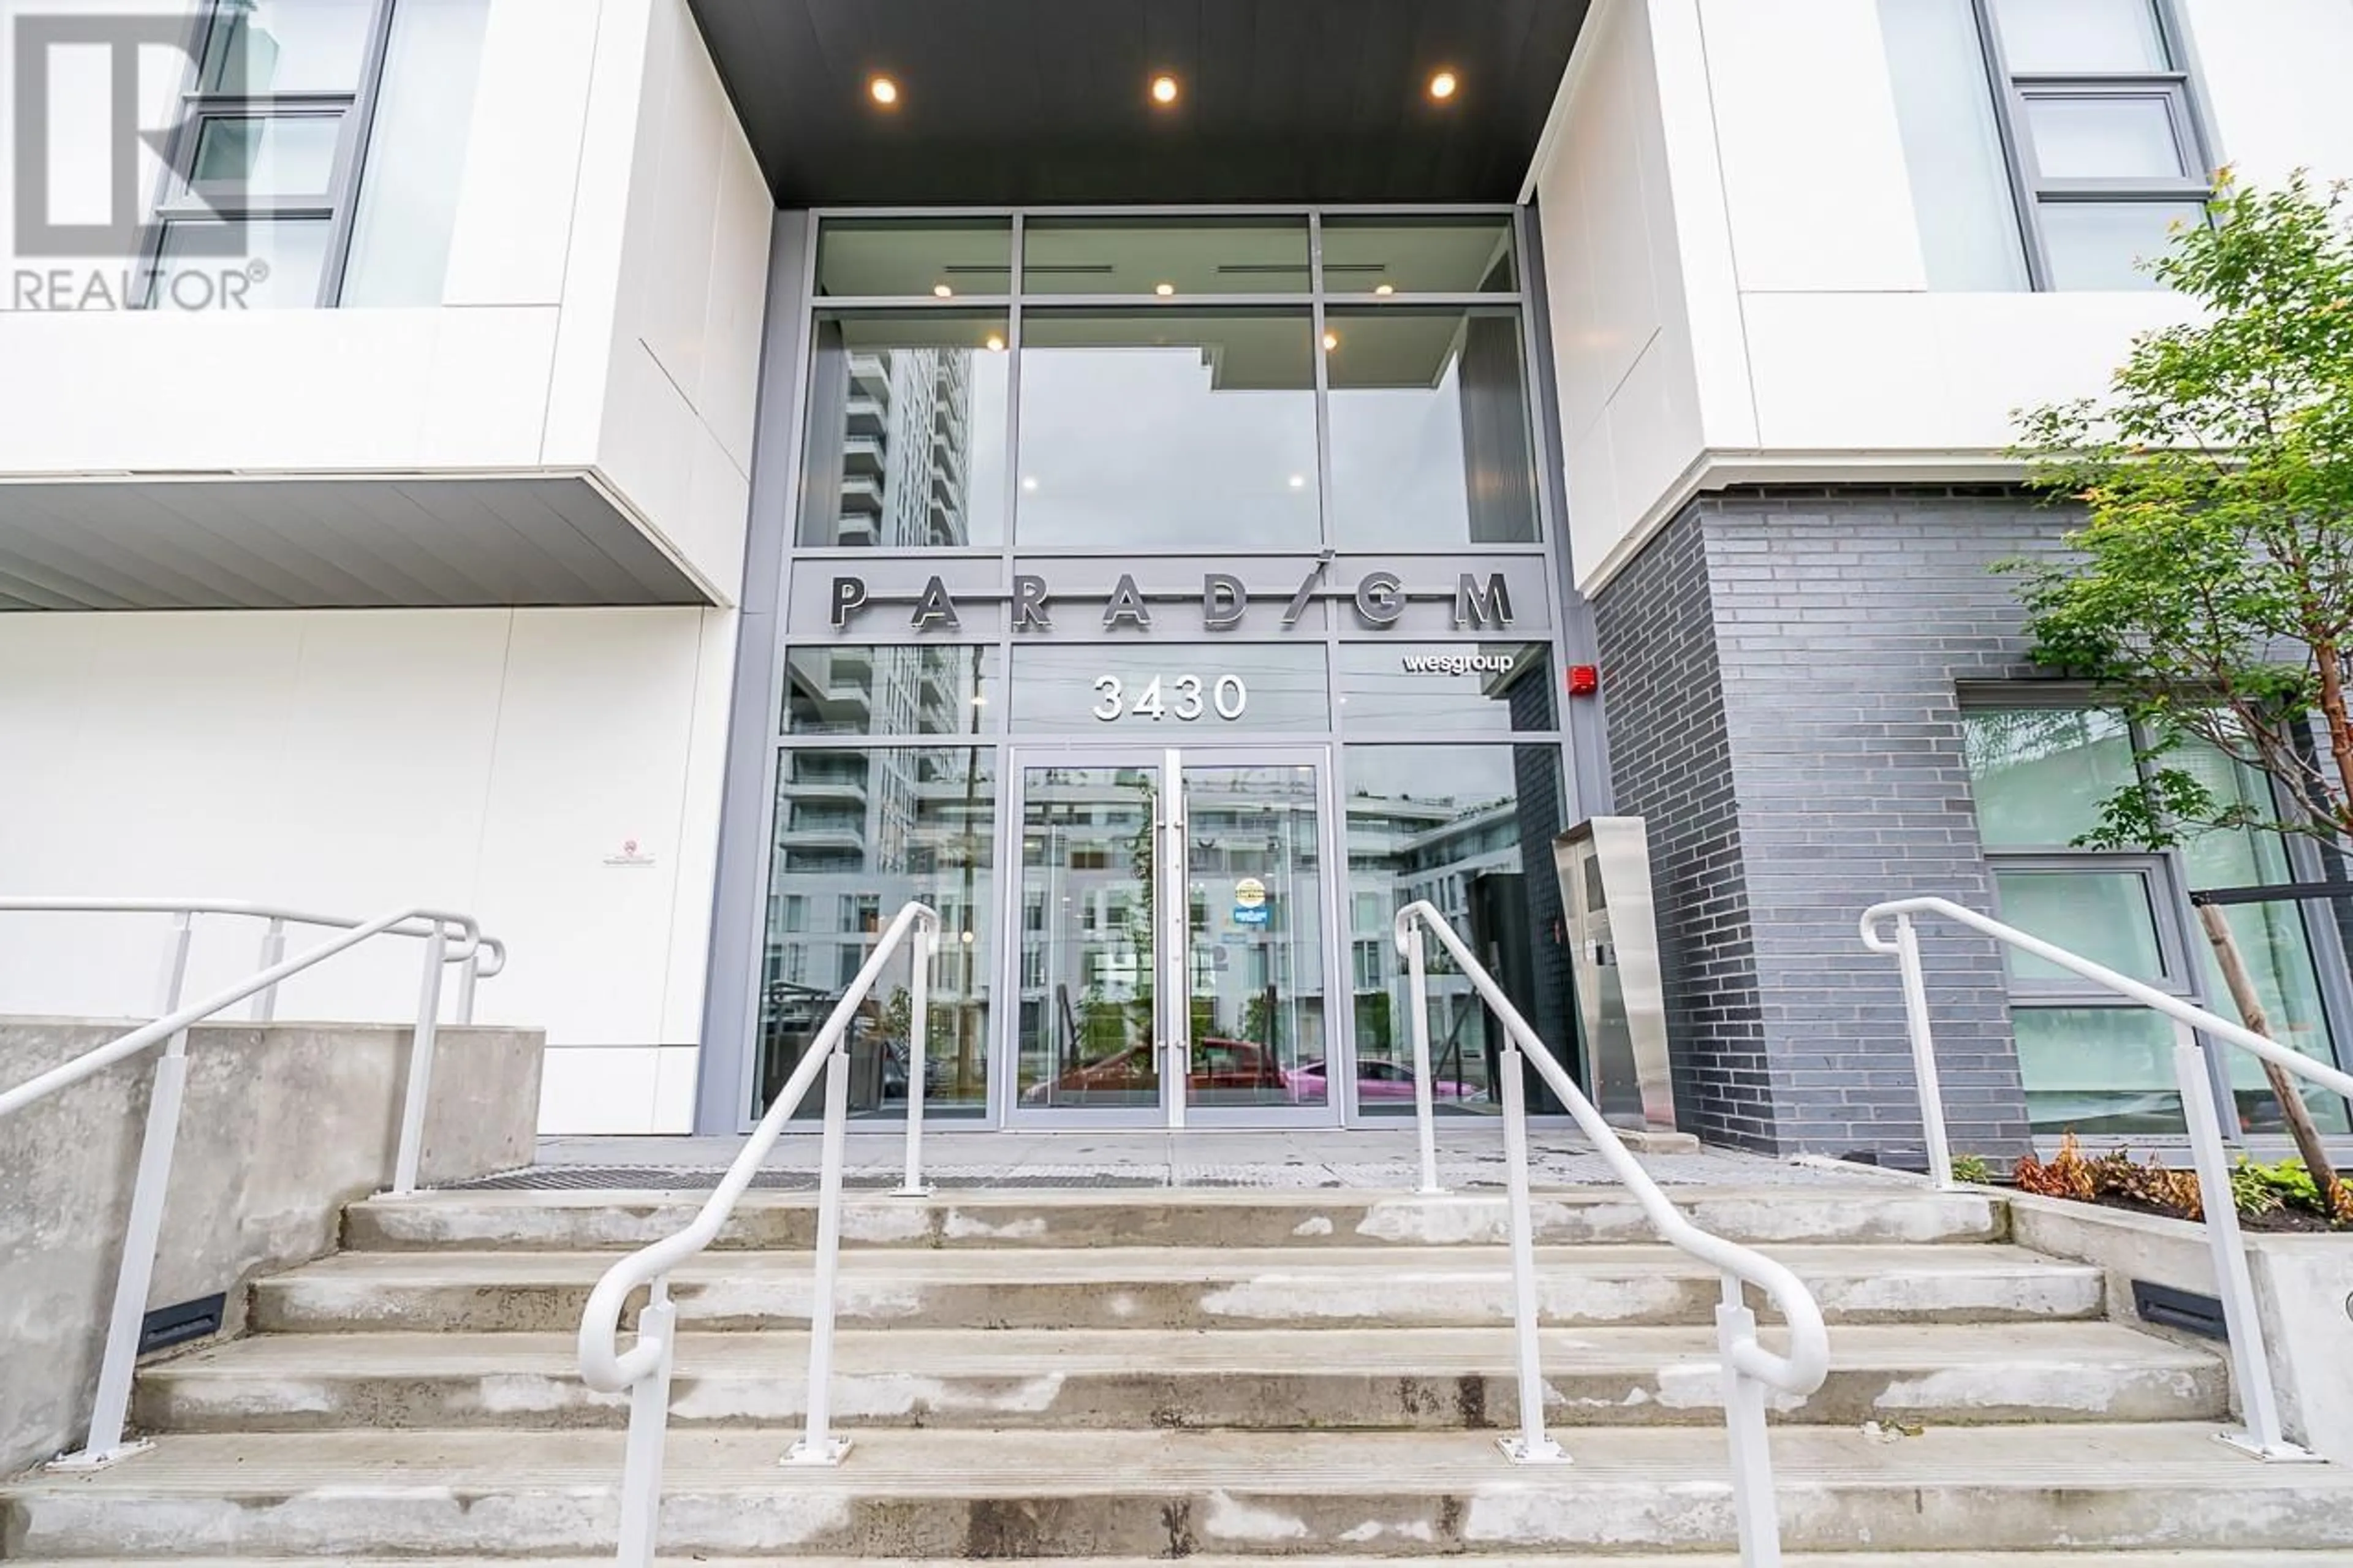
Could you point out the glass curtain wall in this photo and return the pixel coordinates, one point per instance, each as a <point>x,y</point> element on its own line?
<point>1168,384</point>
<point>1141,387</point>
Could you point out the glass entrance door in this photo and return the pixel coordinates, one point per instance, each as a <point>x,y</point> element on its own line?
<point>1173,940</point>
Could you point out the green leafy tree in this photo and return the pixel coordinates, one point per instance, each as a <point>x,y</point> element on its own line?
<point>2208,591</point>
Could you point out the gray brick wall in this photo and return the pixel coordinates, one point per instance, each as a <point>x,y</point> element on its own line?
<point>1671,763</point>
<point>1780,668</point>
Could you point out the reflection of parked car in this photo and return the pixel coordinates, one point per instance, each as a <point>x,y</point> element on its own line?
<point>1381,1080</point>
<point>1218,1064</point>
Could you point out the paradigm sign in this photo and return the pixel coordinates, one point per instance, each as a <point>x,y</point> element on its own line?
<point>1379,599</point>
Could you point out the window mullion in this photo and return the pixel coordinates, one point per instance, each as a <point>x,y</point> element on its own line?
<point>2009,123</point>
<point>351,157</point>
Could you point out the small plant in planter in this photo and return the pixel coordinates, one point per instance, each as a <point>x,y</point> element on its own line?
<point>2275,1197</point>
<point>1972,1169</point>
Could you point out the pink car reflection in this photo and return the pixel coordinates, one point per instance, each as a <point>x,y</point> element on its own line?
<point>1378,1081</point>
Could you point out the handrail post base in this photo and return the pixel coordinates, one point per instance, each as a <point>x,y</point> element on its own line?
<point>84,1460</point>
<point>2280,1453</point>
<point>1544,1452</point>
<point>828,1452</point>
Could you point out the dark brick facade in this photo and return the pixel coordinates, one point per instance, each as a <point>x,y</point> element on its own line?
<point>1781,669</point>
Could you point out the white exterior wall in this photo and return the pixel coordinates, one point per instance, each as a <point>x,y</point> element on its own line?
<point>1753,152</point>
<point>352,761</point>
<point>601,312</point>
<point>601,315</point>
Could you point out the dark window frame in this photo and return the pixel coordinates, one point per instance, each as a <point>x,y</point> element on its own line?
<point>2032,191</point>
<point>179,201</point>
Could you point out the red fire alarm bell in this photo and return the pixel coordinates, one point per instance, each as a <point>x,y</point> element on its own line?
<point>1584,680</point>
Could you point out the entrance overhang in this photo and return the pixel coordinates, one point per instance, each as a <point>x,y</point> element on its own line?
<point>1013,102</point>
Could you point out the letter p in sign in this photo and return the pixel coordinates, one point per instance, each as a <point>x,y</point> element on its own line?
<point>848,597</point>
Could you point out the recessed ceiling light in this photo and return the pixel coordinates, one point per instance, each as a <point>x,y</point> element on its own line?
<point>1299,481</point>
<point>882,91</point>
<point>1385,289</point>
<point>1442,85</point>
<point>1331,340</point>
<point>997,343</point>
<point>1164,289</point>
<point>942,291</point>
<point>1164,90</point>
<point>1028,481</point>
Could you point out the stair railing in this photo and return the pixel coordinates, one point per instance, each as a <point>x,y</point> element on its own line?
<point>2250,1360</point>
<point>105,1443</point>
<point>1748,1368</point>
<point>481,957</point>
<point>643,1372</point>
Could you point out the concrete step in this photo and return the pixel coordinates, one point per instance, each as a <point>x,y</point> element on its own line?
<point>1241,1379</point>
<point>951,1494</point>
<point>2233,1559</point>
<point>590,1221</point>
<point>1169,1288</point>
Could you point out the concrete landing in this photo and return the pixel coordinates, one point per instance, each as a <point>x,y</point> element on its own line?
<point>2232,1559</point>
<point>1159,1494</point>
<point>1470,1148</point>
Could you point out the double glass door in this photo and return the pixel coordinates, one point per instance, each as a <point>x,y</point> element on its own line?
<point>1173,939</point>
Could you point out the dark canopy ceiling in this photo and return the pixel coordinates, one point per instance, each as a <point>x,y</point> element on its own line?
<point>1046,101</point>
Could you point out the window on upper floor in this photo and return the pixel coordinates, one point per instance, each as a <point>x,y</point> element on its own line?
<point>2051,144</point>
<point>322,144</point>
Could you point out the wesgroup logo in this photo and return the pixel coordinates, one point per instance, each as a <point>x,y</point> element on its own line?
<point>88,169</point>
<point>1460,663</point>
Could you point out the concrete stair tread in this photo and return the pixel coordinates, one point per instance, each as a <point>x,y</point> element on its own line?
<point>948,1353</point>
<point>1232,1198</point>
<point>1163,1265</point>
<point>2231,1559</point>
<point>2145,1459</point>
<point>609,1219</point>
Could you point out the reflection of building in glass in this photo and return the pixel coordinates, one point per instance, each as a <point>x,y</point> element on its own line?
<point>1089,936</point>
<point>858,835</point>
<point>1406,847</point>
<point>1482,857</point>
<point>859,832</point>
<point>904,475</point>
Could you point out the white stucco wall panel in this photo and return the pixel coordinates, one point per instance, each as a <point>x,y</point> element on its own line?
<point>601,310</point>
<point>696,833</point>
<point>588,758</point>
<point>1845,371</point>
<point>676,436</point>
<point>1814,181</point>
<point>2275,75</point>
<point>1794,312</point>
<point>354,760</point>
<point>292,391</point>
<point>514,226</point>
<point>1621,335</point>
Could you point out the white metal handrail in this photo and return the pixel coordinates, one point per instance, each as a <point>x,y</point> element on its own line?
<point>1748,1367</point>
<point>483,956</point>
<point>644,1370</point>
<point>105,1442</point>
<point>2251,1361</point>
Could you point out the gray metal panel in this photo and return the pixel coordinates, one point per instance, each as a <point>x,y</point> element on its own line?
<point>1604,867</point>
<point>737,904</point>
<point>325,543</point>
